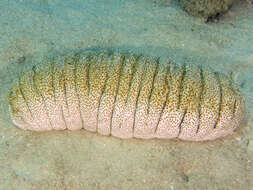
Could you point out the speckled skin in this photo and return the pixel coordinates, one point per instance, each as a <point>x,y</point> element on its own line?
<point>126,95</point>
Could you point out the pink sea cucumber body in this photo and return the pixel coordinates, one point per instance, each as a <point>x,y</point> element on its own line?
<point>126,95</point>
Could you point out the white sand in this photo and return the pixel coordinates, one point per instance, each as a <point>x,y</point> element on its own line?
<point>32,30</point>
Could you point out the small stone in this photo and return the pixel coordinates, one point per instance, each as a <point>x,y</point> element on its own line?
<point>21,59</point>
<point>185,178</point>
<point>250,144</point>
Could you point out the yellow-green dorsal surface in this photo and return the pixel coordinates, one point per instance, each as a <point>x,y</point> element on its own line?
<point>126,95</point>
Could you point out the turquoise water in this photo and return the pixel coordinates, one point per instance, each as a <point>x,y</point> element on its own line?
<point>30,31</point>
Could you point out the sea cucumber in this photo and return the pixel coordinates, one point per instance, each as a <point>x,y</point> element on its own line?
<point>126,95</point>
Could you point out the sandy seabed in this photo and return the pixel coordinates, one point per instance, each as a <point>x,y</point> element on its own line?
<point>30,31</point>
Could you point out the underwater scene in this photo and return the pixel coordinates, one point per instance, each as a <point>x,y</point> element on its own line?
<point>126,94</point>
